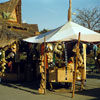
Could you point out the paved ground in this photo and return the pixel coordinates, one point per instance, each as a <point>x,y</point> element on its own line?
<point>28,91</point>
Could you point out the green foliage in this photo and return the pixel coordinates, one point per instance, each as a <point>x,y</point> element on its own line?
<point>0,16</point>
<point>44,31</point>
<point>90,60</point>
<point>5,15</point>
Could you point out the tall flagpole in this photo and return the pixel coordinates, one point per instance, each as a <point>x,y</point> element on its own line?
<point>70,11</point>
<point>75,66</point>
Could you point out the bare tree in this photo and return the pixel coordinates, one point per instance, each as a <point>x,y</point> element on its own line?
<point>44,31</point>
<point>89,18</point>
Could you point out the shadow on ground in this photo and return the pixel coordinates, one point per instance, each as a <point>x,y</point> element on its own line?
<point>91,92</point>
<point>95,89</point>
<point>93,76</point>
<point>23,86</point>
<point>32,87</point>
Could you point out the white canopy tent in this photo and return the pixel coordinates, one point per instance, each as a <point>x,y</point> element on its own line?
<point>67,32</point>
<point>40,38</point>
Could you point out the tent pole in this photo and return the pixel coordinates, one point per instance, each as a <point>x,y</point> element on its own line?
<point>76,65</point>
<point>45,64</point>
<point>84,69</point>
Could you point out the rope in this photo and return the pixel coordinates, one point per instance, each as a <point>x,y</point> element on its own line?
<point>66,61</point>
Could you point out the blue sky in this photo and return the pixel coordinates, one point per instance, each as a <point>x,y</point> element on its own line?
<point>51,14</point>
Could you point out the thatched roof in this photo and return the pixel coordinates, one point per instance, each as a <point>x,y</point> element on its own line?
<point>8,6</point>
<point>10,32</point>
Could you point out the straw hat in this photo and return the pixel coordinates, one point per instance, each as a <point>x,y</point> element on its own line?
<point>49,47</point>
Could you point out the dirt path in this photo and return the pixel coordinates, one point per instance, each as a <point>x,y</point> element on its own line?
<point>24,91</point>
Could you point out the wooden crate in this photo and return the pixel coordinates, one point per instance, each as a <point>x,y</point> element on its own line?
<point>59,74</point>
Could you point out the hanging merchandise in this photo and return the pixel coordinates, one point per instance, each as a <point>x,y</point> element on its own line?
<point>49,47</point>
<point>95,51</point>
<point>53,59</point>
<point>42,72</point>
<point>42,49</point>
<point>14,47</point>
<point>10,65</point>
<point>3,62</point>
<point>66,61</point>
<point>50,59</point>
<point>0,55</point>
<point>43,67</point>
<point>80,63</point>
<point>49,52</point>
<point>58,48</point>
<point>59,51</point>
<point>46,61</point>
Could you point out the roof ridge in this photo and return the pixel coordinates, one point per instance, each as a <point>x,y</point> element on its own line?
<point>9,5</point>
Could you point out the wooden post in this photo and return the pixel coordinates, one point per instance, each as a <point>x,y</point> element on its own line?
<point>45,63</point>
<point>76,65</point>
<point>69,11</point>
<point>17,60</point>
<point>84,68</point>
<point>42,89</point>
<point>84,57</point>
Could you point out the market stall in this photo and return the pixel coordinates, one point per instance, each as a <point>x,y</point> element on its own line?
<point>62,67</point>
<point>65,34</point>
